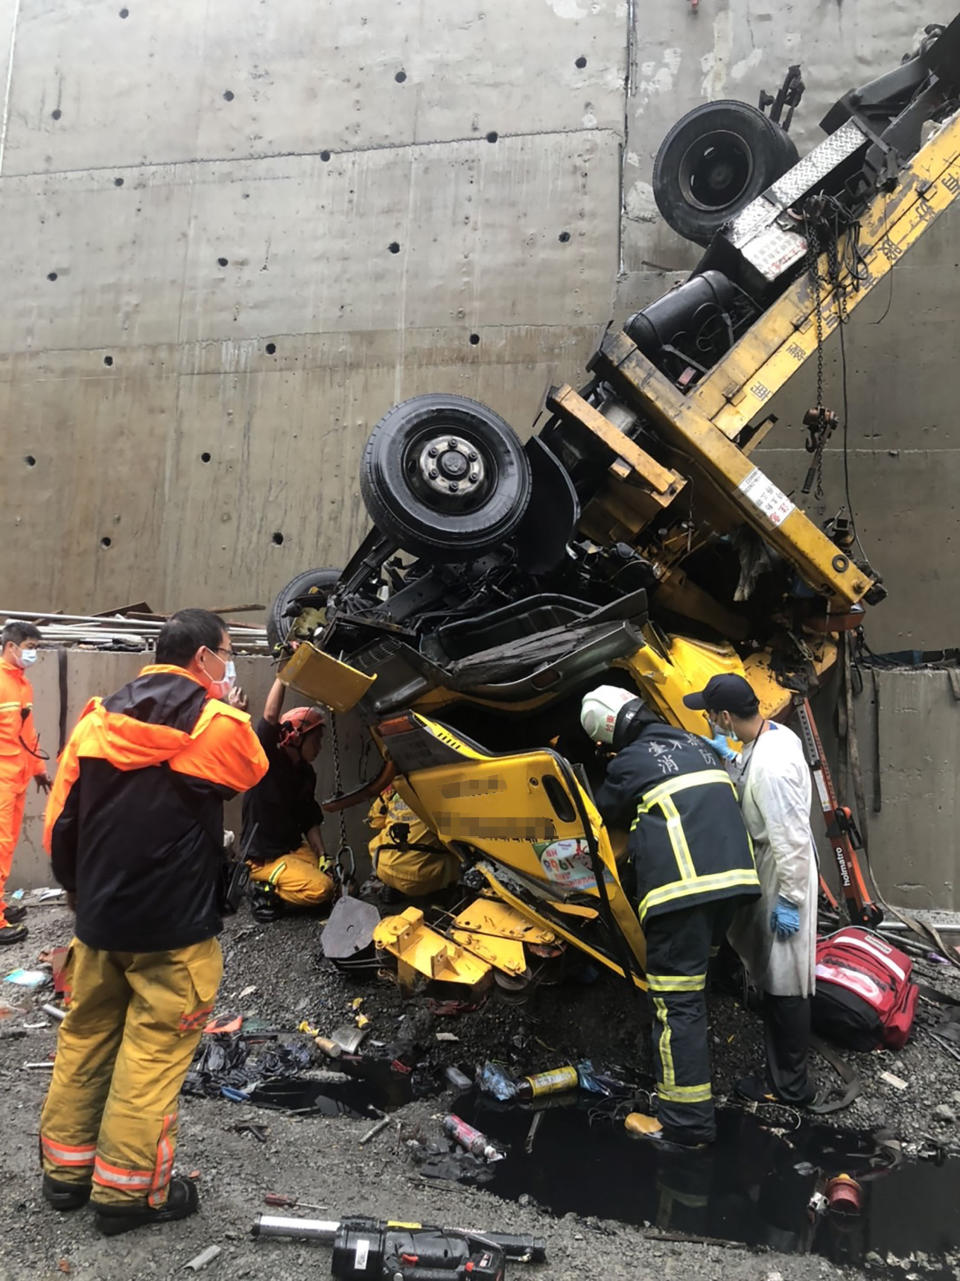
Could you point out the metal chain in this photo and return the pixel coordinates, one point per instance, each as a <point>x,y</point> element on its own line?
<point>338,778</point>
<point>813,271</point>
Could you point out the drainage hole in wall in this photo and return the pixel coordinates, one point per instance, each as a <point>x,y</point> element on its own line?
<point>278,538</point>
<point>204,457</point>
<point>124,13</point>
<point>270,348</point>
<point>51,275</point>
<point>30,460</point>
<point>108,361</point>
<point>118,182</point>
<point>228,95</point>
<point>56,113</point>
<point>394,247</point>
<point>581,62</point>
<point>492,136</point>
<point>106,541</point>
<point>564,237</point>
<point>324,155</point>
<point>224,262</point>
<point>400,77</point>
<point>474,339</point>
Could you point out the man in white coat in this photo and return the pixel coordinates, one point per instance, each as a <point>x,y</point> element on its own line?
<point>776,935</point>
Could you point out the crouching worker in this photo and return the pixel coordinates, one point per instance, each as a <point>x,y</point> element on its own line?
<point>281,817</point>
<point>694,867</point>
<point>134,826</point>
<point>406,855</point>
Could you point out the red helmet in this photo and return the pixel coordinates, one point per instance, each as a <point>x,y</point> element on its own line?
<point>296,724</point>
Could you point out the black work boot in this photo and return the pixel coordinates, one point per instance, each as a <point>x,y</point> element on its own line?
<point>65,1196</point>
<point>10,934</point>
<point>182,1201</point>
<point>265,903</point>
<point>15,913</point>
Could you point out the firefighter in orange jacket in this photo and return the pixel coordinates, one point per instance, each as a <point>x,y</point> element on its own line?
<point>134,826</point>
<point>20,758</point>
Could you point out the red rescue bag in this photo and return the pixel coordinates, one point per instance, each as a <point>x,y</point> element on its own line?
<point>864,996</point>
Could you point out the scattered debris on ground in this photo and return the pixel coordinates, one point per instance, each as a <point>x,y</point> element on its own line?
<point>275,1123</point>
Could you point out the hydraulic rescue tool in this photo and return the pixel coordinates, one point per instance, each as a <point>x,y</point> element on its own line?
<point>371,1250</point>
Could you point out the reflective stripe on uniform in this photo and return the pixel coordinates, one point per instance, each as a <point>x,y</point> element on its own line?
<point>64,1154</point>
<point>678,839</point>
<point>195,1019</point>
<point>112,1176</point>
<point>676,982</point>
<point>670,786</point>
<point>664,1048</point>
<point>661,798</point>
<point>737,878</point>
<point>6,707</point>
<point>274,875</point>
<point>164,1166</point>
<point>685,1093</point>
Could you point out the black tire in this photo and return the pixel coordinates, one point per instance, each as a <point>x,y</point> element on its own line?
<point>312,582</point>
<point>457,503</point>
<point>713,162</point>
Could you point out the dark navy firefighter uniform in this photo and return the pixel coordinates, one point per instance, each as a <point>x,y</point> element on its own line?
<point>694,866</point>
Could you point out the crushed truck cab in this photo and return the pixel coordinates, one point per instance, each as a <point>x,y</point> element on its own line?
<point>633,539</point>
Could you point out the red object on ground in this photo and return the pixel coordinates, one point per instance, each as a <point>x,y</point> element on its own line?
<point>844,1194</point>
<point>58,959</point>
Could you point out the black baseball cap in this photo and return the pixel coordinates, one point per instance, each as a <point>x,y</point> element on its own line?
<point>727,693</point>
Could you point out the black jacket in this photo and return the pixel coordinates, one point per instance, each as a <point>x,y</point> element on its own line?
<point>134,824</point>
<point>283,807</point>
<point>687,839</point>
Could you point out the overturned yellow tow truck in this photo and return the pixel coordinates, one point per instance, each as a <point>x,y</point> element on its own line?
<point>632,540</point>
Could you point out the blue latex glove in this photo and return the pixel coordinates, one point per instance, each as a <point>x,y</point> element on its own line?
<point>722,747</point>
<point>784,919</point>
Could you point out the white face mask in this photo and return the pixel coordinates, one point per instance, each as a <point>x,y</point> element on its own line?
<point>222,687</point>
<point>28,657</point>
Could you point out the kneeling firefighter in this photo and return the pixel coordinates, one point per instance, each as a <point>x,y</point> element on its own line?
<point>281,816</point>
<point>694,867</point>
<point>406,855</point>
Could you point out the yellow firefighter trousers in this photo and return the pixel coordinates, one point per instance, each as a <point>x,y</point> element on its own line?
<point>296,877</point>
<point>133,1023</point>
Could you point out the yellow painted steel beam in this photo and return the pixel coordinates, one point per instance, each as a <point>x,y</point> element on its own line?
<point>775,347</point>
<point>572,408</point>
<point>759,502</point>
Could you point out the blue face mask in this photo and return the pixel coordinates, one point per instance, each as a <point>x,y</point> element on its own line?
<point>28,657</point>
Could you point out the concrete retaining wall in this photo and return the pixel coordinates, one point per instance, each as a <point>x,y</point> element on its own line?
<point>238,232</point>
<point>910,720</point>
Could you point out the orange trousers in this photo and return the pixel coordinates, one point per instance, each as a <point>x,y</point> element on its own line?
<point>11,818</point>
<point>133,1023</point>
<point>297,878</point>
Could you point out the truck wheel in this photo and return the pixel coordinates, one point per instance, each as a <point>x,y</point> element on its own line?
<point>713,162</point>
<point>308,590</point>
<point>445,477</point>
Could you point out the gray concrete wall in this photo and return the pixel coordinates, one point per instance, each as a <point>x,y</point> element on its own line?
<point>235,233</point>
<point>203,316</point>
<point>910,720</point>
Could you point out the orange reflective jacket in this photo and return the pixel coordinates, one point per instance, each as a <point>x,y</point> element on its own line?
<point>19,748</point>
<point>134,823</point>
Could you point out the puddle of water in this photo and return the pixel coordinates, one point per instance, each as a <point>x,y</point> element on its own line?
<point>377,1087</point>
<point>745,1188</point>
